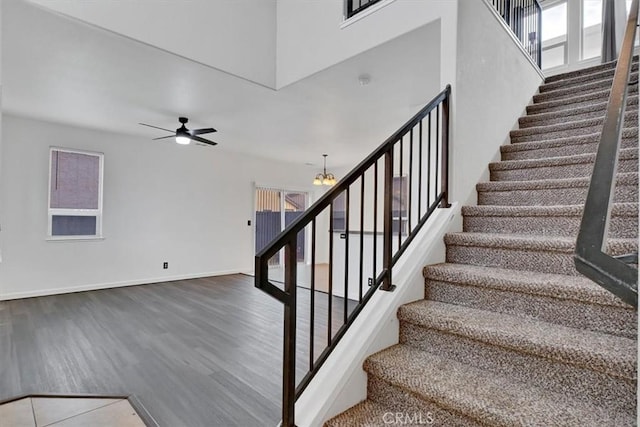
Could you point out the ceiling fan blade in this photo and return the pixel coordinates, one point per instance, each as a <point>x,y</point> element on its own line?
<point>156,127</point>
<point>204,141</point>
<point>194,132</point>
<point>164,137</point>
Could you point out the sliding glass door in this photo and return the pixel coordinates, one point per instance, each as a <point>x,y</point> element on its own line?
<point>275,210</point>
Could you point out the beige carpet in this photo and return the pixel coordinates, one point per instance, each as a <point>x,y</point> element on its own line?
<point>509,334</point>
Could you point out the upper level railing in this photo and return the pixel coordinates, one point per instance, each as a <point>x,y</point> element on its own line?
<point>356,6</point>
<point>524,17</point>
<point>357,231</point>
<point>612,273</point>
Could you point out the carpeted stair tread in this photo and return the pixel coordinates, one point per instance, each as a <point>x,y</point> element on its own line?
<point>625,154</point>
<point>582,79</point>
<point>580,113</point>
<point>546,254</point>
<point>621,209</point>
<point>560,220</point>
<point>590,86</point>
<point>583,144</point>
<point>571,301</point>
<point>563,191</point>
<point>615,356</point>
<point>544,284</point>
<point>575,101</point>
<point>568,129</point>
<point>532,243</point>
<point>629,178</point>
<point>630,116</point>
<point>489,399</point>
<point>586,71</point>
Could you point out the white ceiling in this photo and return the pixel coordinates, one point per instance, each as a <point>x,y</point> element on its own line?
<point>58,69</point>
<point>180,26</point>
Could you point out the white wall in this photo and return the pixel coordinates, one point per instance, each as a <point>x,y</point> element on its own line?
<point>494,83</point>
<point>236,36</point>
<point>1,87</point>
<point>162,202</point>
<point>310,37</point>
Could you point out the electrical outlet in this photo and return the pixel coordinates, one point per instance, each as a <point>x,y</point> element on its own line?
<point>249,223</point>
<point>370,281</point>
<point>165,265</point>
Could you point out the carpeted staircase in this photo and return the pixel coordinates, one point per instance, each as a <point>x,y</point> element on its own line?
<point>509,334</point>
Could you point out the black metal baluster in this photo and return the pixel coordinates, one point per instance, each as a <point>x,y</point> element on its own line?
<point>429,163</point>
<point>313,295</point>
<point>445,151</point>
<point>400,197</point>
<point>410,180</point>
<point>437,150</point>
<point>375,220</point>
<point>330,290</point>
<point>289,359</point>
<point>420,172</point>
<point>539,36</point>
<point>387,253</point>
<point>361,283</point>
<point>346,255</point>
<point>527,27</point>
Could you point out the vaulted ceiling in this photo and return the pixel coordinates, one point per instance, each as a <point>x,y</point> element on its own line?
<point>60,69</point>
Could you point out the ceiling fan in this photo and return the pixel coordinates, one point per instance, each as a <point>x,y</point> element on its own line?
<point>184,136</point>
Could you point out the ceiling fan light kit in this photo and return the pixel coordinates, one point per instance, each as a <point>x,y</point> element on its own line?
<point>184,136</point>
<point>324,178</point>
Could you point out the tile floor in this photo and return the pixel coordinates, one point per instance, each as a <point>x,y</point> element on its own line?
<point>69,412</point>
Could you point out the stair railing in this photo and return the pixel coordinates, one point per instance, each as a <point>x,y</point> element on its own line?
<point>410,170</point>
<point>353,7</point>
<point>612,273</point>
<point>524,17</point>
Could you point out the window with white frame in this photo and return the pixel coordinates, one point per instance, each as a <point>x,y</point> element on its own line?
<point>572,32</point>
<point>591,28</point>
<point>554,35</point>
<point>75,194</point>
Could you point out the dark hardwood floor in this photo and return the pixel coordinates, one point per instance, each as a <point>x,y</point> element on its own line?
<point>201,352</point>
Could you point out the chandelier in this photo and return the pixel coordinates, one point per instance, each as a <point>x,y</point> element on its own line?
<point>324,178</point>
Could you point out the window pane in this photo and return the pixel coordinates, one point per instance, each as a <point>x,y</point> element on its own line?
<point>75,180</point>
<point>67,225</point>
<point>268,219</point>
<point>554,56</point>
<point>554,23</point>
<point>340,212</point>
<point>591,28</point>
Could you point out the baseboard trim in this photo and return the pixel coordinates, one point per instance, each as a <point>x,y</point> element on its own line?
<point>100,286</point>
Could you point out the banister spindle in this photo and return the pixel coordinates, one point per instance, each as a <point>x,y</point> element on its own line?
<point>445,151</point>
<point>387,251</point>
<point>289,359</point>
